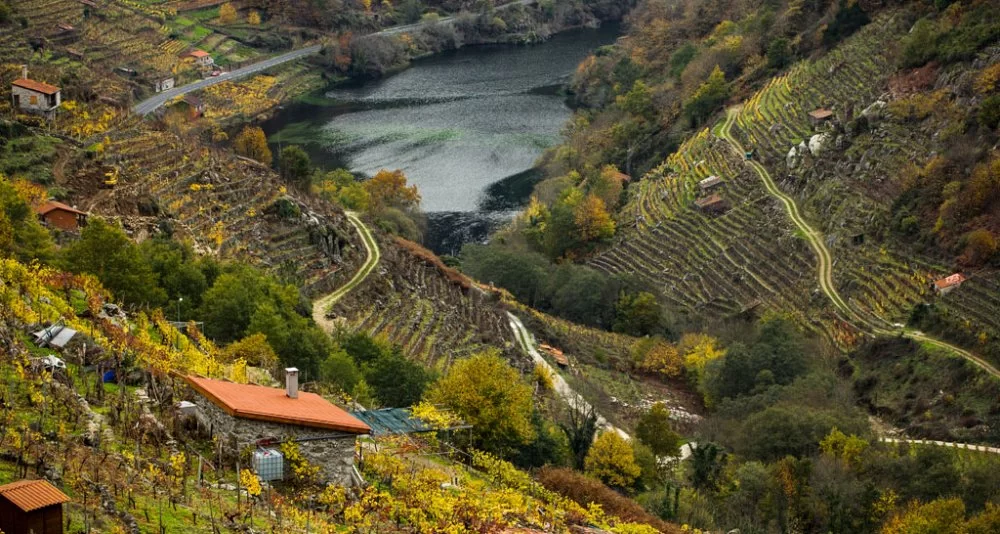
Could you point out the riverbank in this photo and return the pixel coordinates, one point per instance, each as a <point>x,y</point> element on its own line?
<point>466,126</point>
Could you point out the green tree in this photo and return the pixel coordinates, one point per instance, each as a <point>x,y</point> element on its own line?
<point>252,143</point>
<point>637,314</point>
<point>653,429</point>
<point>179,272</point>
<point>488,394</point>
<point>707,463</point>
<point>708,97</point>
<point>295,167</point>
<point>989,112</point>
<point>779,53</point>
<point>21,235</point>
<point>104,251</point>
<point>612,461</point>
<point>396,381</point>
<point>340,369</point>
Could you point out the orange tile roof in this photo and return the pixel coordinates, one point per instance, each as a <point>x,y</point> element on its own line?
<point>52,205</point>
<point>271,404</point>
<point>31,495</point>
<point>198,53</point>
<point>38,87</point>
<point>949,281</point>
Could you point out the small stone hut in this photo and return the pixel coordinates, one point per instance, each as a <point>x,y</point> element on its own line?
<point>31,506</point>
<point>246,414</point>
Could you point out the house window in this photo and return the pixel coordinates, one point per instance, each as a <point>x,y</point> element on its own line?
<point>33,100</point>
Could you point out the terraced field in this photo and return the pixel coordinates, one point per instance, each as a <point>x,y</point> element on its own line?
<point>712,266</point>
<point>226,206</point>
<point>436,320</point>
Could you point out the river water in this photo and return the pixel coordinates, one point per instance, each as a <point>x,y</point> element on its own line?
<point>465,126</point>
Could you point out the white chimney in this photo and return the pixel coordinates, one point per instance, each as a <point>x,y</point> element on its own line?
<point>292,382</point>
<point>24,71</point>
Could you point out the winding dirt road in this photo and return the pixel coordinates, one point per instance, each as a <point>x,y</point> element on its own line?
<point>825,263</point>
<point>321,305</point>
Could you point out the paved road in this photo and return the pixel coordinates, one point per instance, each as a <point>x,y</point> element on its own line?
<point>321,306</point>
<point>150,104</point>
<point>825,264</point>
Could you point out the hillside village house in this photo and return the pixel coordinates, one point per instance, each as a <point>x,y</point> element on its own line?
<point>710,183</point>
<point>201,58</point>
<point>163,83</point>
<point>35,97</point>
<point>244,414</point>
<point>948,284</point>
<point>31,506</point>
<point>61,216</point>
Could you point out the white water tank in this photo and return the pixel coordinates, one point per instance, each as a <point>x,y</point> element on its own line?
<point>268,464</point>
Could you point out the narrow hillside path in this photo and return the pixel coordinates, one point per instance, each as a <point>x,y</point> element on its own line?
<point>321,305</point>
<point>563,389</point>
<point>825,262</point>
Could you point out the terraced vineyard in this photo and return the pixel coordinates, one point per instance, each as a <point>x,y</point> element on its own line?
<point>227,206</point>
<point>413,303</point>
<point>717,265</point>
<point>713,266</point>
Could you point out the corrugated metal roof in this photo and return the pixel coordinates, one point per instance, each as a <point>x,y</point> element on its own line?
<point>271,404</point>
<point>392,421</point>
<point>55,335</point>
<point>31,495</point>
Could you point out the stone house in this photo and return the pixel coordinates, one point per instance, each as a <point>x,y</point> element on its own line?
<point>61,216</point>
<point>246,414</point>
<point>36,97</point>
<point>711,204</point>
<point>31,506</point>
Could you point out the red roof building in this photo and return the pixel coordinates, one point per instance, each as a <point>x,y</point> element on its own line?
<point>61,216</point>
<point>274,405</point>
<point>31,506</point>
<point>948,283</point>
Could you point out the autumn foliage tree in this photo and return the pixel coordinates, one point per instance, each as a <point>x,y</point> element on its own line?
<point>227,13</point>
<point>252,143</point>
<point>253,18</point>
<point>488,394</point>
<point>612,461</point>
<point>388,189</point>
<point>593,222</point>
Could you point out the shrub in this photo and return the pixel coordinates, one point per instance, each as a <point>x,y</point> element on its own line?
<point>989,112</point>
<point>612,460</point>
<point>585,490</point>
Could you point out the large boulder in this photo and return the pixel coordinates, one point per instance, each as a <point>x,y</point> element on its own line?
<point>818,143</point>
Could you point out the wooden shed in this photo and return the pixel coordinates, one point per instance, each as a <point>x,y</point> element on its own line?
<point>31,506</point>
<point>61,216</point>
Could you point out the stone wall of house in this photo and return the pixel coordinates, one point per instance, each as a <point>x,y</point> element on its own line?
<point>41,103</point>
<point>334,454</point>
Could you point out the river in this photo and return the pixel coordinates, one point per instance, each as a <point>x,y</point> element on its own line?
<point>465,126</point>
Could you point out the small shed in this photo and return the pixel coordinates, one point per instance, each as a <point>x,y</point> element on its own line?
<point>948,284</point>
<point>196,105</point>
<point>820,115</point>
<point>712,203</point>
<point>710,183</point>
<point>31,506</point>
<point>61,216</point>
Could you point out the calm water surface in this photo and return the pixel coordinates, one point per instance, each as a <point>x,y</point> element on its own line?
<point>466,127</point>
